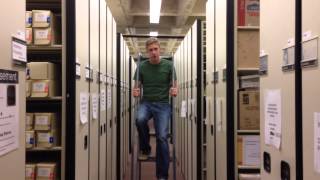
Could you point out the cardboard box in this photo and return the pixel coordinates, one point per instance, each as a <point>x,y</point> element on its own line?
<point>30,172</point>
<point>249,110</point>
<point>43,71</point>
<point>249,177</point>
<point>44,36</point>
<point>45,121</point>
<point>28,19</point>
<point>44,88</point>
<point>42,18</point>
<point>29,36</point>
<point>30,139</point>
<point>46,171</point>
<point>248,150</point>
<point>248,49</point>
<point>28,88</point>
<point>29,121</point>
<point>48,139</point>
<point>248,12</point>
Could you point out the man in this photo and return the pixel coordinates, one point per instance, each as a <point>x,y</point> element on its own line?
<point>155,76</point>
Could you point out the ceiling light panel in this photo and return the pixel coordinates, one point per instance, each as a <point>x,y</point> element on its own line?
<point>155,8</point>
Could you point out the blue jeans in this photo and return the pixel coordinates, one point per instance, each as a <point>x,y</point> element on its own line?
<point>161,114</point>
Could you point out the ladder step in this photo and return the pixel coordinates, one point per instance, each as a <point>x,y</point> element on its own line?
<point>152,159</point>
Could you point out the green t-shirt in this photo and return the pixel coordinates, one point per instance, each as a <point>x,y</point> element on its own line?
<point>156,80</point>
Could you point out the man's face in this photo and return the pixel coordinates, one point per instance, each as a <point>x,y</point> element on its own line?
<point>154,51</point>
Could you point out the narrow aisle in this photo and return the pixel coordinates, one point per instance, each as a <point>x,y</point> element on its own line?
<point>148,169</point>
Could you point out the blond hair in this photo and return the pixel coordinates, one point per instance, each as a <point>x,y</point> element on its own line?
<point>152,40</point>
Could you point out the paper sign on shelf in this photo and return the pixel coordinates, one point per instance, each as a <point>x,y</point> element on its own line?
<point>273,117</point>
<point>84,107</point>
<point>103,100</point>
<point>219,113</point>
<point>9,111</point>
<point>183,113</point>
<point>109,98</point>
<point>317,142</point>
<point>95,105</point>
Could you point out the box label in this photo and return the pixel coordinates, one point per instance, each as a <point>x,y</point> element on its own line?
<point>41,17</point>
<point>42,34</point>
<point>44,137</point>
<point>42,120</point>
<point>29,172</point>
<point>40,87</point>
<point>44,172</point>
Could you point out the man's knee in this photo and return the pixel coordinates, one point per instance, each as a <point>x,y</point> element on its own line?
<point>162,137</point>
<point>141,119</point>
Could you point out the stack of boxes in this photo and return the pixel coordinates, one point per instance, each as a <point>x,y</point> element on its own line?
<point>42,28</point>
<point>42,81</point>
<point>42,130</point>
<point>41,171</point>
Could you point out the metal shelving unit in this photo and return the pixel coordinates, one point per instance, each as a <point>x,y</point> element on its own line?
<point>54,54</point>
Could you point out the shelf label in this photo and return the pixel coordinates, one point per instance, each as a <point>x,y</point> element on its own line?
<point>310,53</point>
<point>78,69</point>
<point>288,59</point>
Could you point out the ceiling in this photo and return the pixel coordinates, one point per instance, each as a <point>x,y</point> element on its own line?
<point>177,16</point>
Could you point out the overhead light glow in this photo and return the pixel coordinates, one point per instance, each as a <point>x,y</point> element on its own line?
<point>155,7</point>
<point>153,33</point>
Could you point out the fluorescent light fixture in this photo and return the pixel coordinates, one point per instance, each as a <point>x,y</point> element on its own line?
<point>153,33</point>
<point>155,7</point>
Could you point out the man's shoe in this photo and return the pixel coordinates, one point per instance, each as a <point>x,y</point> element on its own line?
<point>162,179</point>
<point>144,155</point>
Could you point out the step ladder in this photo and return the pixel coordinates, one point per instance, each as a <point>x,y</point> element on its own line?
<point>136,163</point>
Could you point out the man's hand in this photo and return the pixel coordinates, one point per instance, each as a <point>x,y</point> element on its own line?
<point>136,92</point>
<point>173,91</point>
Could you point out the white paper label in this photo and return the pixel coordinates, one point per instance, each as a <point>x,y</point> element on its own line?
<point>307,35</point>
<point>88,72</point>
<point>19,51</point>
<point>39,87</point>
<point>290,42</point>
<point>78,69</point>
<point>29,172</point>
<point>42,120</point>
<point>44,172</point>
<point>103,100</point>
<point>183,112</point>
<point>84,107</point>
<point>317,142</point>
<point>42,34</point>
<point>251,150</point>
<point>109,98</point>
<point>273,117</point>
<point>41,17</point>
<point>219,112</point>
<point>95,100</point>
<point>44,137</point>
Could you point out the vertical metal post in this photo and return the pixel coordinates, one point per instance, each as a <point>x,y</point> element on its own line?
<point>173,125</point>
